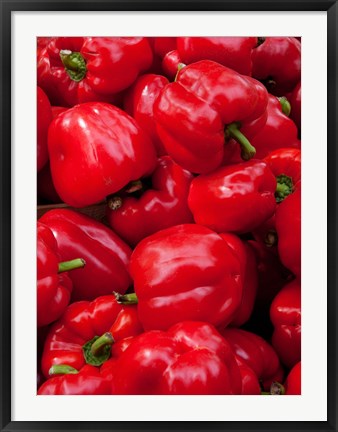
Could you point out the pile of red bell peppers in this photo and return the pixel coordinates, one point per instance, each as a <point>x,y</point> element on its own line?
<point>191,283</point>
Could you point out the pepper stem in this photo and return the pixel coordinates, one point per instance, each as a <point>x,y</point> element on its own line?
<point>277,388</point>
<point>71,265</point>
<point>74,64</point>
<point>97,350</point>
<point>179,67</point>
<point>248,151</point>
<point>114,202</point>
<point>126,299</point>
<point>62,370</point>
<point>286,106</point>
<point>284,187</point>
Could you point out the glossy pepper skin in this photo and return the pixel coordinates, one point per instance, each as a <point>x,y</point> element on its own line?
<point>250,278</point>
<point>85,333</point>
<point>207,105</point>
<point>293,380</point>
<point>279,131</point>
<point>256,353</point>
<point>288,227</point>
<point>106,255</point>
<point>277,62</point>
<point>54,287</point>
<point>191,358</point>
<point>139,104</point>
<point>161,206</point>
<point>250,382</point>
<point>87,381</point>
<point>186,272</point>
<point>232,52</point>
<point>44,118</point>
<point>285,313</point>
<point>296,105</point>
<point>74,70</point>
<point>95,150</point>
<point>236,198</point>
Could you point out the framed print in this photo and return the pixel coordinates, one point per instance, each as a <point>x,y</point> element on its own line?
<point>185,257</point>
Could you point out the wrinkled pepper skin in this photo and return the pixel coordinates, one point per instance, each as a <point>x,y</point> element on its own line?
<point>191,358</point>
<point>232,52</point>
<point>186,272</point>
<point>73,70</point>
<point>296,105</point>
<point>285,313</point>
<point>250,278</point>
<point>236,198</point>
<point>106,255</point>
<point>163,205</point>
<point>53,287</point>
<point>139,104</point>
<point>277,62</point>
<point>44,118</point>
<point>87,381</point>
<point>279,131</point>
<point>256,353</point>
<point>206,106</point>
<point>288,227</point>
<point>293,382</point>
<point>95,150</point>
<point>67,340</point>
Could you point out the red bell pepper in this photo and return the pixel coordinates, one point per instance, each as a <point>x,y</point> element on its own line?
<point>191,358</point>
<point>54,287</point>
<point>171,64</point>
<point>293,381</point>
<point>272,276</point>
<point>106,255</point>
<point>296,105</point>
<point>206,106</point>
<point>162,45</point>
<point>236,198</point>
<point>250,383</point>
<point>109,149</point>
<point>232,52</point>
<point>44,118</point>
<point>87,381</point>
<point>256,353</point>
<point>285,163</point>
<point>250,278</point>
<point>139,103</point>
<point>288,227</point>
<point>277,62</point>
<point>85,333</point>
<point>73,70</point>
<point>186,272</point>
<point>285,313</point>
<point>279,131</point>
<point>161,206</point>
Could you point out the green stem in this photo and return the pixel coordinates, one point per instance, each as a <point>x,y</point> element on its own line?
<point>74,64</point>
<point>97,350</point>
<point>260,40</point>
<point>286,106</point>
<point>179,67</point>
<point>71,265</point>
<point>248,151</point>
<point>284,187</point>
<point>62,370</point>
<point>126,299</point>
<point>100,343</point>
<point>271,239</point>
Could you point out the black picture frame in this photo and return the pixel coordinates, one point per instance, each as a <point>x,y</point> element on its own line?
<point>7,7</point>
